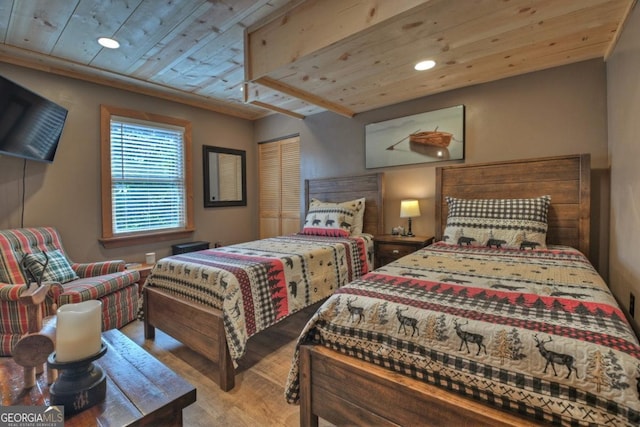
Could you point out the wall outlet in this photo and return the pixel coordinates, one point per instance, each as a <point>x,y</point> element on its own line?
<point>632,304</point>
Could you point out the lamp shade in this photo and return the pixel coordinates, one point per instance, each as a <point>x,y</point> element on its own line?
<point>409,209</point>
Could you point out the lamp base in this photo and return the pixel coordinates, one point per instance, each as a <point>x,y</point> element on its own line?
<point>80,385</point>
<point>409,233</point>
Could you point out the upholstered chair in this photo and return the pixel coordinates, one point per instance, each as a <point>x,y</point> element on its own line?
<point>23,260</point>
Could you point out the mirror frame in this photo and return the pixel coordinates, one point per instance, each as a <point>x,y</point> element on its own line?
<point>206,150</point>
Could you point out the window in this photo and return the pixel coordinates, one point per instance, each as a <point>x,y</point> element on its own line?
<point>146,177</point>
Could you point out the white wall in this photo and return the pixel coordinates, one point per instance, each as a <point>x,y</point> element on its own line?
<point>623,104</point>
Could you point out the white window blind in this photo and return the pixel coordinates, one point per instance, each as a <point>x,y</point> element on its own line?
<point>147,176</point>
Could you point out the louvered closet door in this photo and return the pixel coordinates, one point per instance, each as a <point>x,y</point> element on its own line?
<point>269,164</point>
<point>279,164</point>
<point>290,186</point>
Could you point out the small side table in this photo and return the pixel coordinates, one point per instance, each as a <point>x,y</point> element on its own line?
<point>143,270</point>
<point>389,247</point>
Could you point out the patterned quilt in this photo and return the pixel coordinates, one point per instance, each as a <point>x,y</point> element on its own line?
<point>256,284</point>
<point>535,332</point>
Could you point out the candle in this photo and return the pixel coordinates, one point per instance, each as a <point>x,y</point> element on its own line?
<point>78,331</point>
<point>150,257</point>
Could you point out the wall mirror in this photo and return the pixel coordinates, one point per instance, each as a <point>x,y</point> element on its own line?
<point>225,179</point>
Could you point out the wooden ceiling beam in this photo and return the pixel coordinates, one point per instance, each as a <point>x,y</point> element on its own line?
<point>305,96</point>
<point>305,29</point>
<point>264,97</point>
<point>311,26</point>
<point>252,96</point>
<point>277,109</point>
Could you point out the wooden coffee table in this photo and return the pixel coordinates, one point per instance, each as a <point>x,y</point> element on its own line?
<point>140,389</point>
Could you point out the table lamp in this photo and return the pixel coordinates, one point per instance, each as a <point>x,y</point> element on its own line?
<point>409,209</point>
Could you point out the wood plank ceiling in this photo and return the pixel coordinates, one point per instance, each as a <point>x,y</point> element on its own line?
<point>251,58</point>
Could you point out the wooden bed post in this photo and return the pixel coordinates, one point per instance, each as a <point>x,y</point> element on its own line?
<point>307,418</point>
<point>227,372</point>
<point>149,330</point>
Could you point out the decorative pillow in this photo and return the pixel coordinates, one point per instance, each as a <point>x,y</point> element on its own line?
<point>356,205</point>
<point>325,220</point>
<point>58,269</point>
<point>499,223</point>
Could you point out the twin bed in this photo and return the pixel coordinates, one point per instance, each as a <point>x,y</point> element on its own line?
<point>479,329</point>
<point>214,300</point>
<point>507,326</point>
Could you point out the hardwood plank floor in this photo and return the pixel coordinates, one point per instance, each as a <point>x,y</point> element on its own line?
<point>258,397</point>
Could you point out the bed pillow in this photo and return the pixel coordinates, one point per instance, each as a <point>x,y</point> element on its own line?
<point>498,223</point>
<point>58,270</point>
<point>356,205</point>
<point>329,220</point>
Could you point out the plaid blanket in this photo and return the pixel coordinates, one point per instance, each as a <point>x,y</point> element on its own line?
<point>256,284</point>
<point>535,332</point>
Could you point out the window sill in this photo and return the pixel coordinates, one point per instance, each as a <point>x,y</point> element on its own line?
<point>139,239</point>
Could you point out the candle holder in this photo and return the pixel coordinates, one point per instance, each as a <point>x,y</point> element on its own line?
<point>80,384</point>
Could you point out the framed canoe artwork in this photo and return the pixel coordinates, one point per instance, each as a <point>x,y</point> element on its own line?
<point>433,136</point>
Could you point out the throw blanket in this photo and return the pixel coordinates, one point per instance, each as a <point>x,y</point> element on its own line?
<point>257,284</point>
<point>535,332</point>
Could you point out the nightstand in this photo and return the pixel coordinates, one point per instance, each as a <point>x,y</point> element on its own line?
<point>389,247</point>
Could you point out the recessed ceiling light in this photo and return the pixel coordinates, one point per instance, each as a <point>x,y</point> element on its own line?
<point>108,43</point>
<point>425,65</point>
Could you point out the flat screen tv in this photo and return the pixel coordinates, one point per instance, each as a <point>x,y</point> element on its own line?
<point>30,125</point>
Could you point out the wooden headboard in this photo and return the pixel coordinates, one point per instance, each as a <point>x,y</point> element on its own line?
<point>341,189</point>
<point>567,179</point>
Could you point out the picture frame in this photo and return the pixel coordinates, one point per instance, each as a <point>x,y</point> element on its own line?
<point>433,136</point>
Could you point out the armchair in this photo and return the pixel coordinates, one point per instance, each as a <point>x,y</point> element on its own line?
<point>106,281</point>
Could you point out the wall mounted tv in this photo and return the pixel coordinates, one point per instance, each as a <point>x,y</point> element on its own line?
<point>30,125</point>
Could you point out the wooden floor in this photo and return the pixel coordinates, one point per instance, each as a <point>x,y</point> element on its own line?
<point>258,397</point>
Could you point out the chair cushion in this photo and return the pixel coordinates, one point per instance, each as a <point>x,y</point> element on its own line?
<point>58,268</point>
<point>88,288</point>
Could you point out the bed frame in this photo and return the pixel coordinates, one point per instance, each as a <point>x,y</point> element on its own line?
<point>346,390</point>
<point>201,328</point>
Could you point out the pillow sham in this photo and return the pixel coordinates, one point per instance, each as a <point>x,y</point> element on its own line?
<point>499,223</point>
<point>57,270</point>
<point>326,220</point>
<point>356,205</point>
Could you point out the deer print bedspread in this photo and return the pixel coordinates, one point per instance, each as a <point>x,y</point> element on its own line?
<point>536,332</point>
<point>256,284</point>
